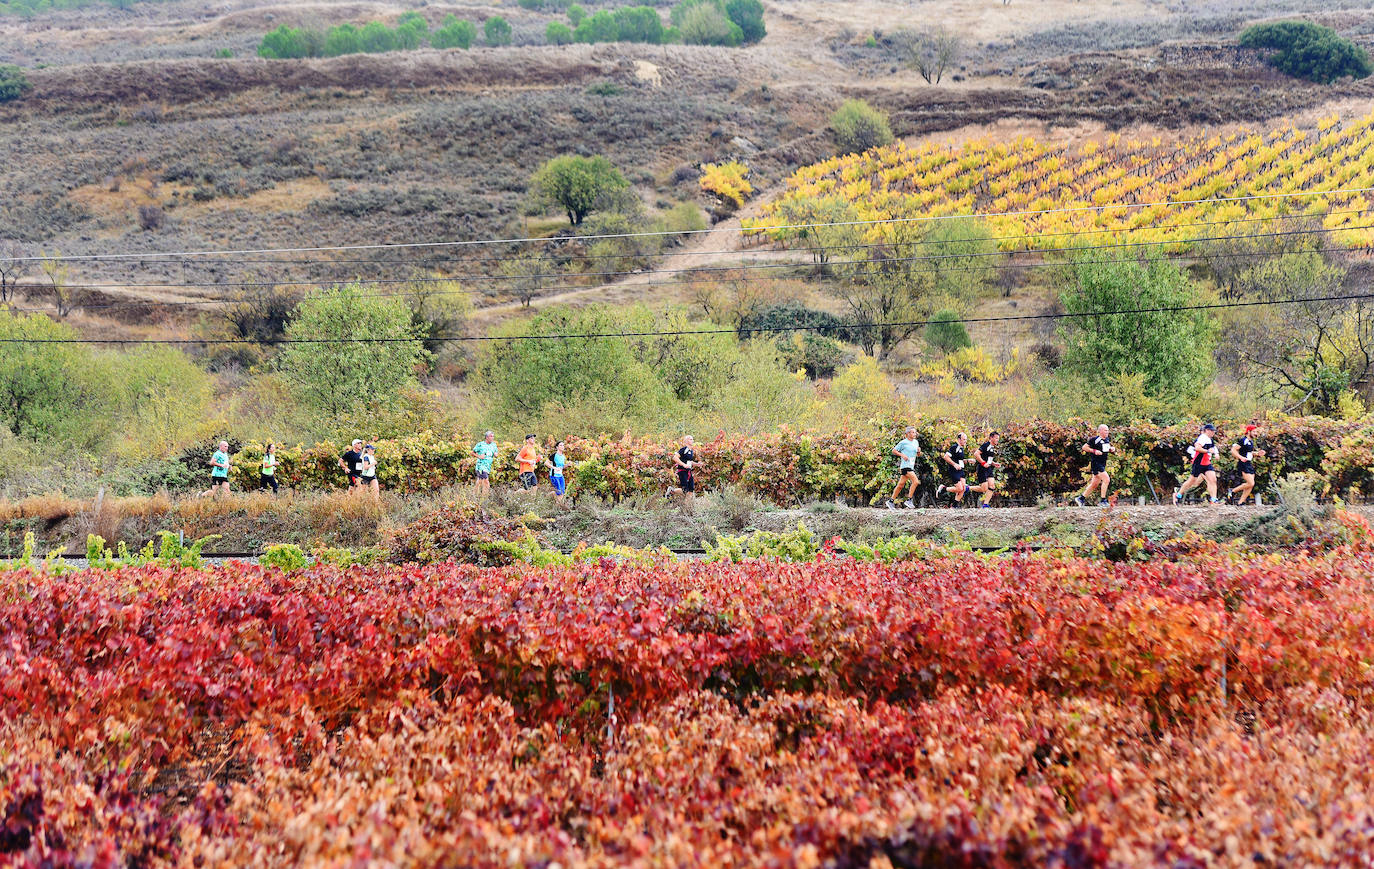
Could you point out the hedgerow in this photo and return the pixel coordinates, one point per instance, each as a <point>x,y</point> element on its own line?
<point>790,467</point>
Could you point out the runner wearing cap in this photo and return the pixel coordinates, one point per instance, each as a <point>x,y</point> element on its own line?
<point>1244,452</point>
<point>1097,448</point>
<point>528,458</point>
<point>1204,454</point>
<point>349,462</point>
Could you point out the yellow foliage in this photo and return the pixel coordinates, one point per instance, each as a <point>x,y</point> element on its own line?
<point>729,181</point>
<point>970,365</point>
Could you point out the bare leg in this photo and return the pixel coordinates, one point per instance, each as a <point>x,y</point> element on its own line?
<point>1211,477</point>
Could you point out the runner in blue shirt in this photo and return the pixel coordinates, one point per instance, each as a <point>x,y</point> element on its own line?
<point>556,464</point>
<point>219,471</point>
<point>485,450</point>
<point>906,450</point>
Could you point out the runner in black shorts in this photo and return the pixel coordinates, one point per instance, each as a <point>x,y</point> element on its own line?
<point>1203,453</point>
<point>954,459</point>
<point>1244,452</point>
<point>1097,448</point>
<point>986,459</point>
<point>349,462</point>
<point>685,463</point>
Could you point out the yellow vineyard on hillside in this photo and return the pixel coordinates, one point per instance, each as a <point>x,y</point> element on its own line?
<point>1048,196</point>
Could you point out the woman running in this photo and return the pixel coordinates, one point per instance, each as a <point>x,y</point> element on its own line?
<point>906,450</point>
<point>1244,452</point>
<point>1203,453</point>
<point>219,471</point>
<point>686,464</point>
<point>556,463</point>
<point>1097,447</point>
<point>986,458</point>
<point>485,450</point>
<point>267,470</point>
<point>954,459</point>
<point>367,471</point>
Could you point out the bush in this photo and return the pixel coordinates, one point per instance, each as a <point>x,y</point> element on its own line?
<point>859,127</point>
<point>454,33</point>
<point>496,31</point>
<point>767,321</point>
<point>748,16</point>
<point>342,39</point>
<point>576,13</point>
<point>600,27</point>
<point>946,332</point>
<point>579,185</point>
<point>729,181</point>
<point>284,556</point>
<point>457,532</point>
<point>287,43</point>
<point>638,24</point>
<point>704,23</point>
<point>412,31</point>
<point>558,33</point>
<point>150,217</point>
<point>376,38</point>
<point>1306,50</point>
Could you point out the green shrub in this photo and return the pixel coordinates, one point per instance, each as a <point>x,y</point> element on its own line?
<point>795,546</point>
<point>638,24</point>
<point>946,332</point>
<point>376,38</point>
<point>412,31</point>
<point>558,33</point>
<point>454,33</point>
<point>600,27</point>
<point>286,43</point>
<point>859,127</point>
<point>576,13</point>
<point>224,53</point>
<point>342,39</point>
<point>496,31</point>
<point>748,16</point>
<point>705,23</point>
<point>1306,50</point>
<point>285,556</point>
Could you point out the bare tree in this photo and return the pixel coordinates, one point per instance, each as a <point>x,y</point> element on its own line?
<point>59,276</point>
<point>929,51</point>
<point>12,269</point>
<point>523,277</point>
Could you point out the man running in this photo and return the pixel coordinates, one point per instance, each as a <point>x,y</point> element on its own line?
<point>1203,453</point>
<point>219,471</point>
<point>986,459</point>
<point>1097,448</point>
<point>1244,452</point>
<point>528,457</point>
<point>685,463</point>
<point>485,450</point>
<point>349,462</point>
<point>954,459</point>
<point>906,450</point>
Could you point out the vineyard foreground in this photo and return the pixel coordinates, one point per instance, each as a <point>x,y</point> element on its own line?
<point>1208,706</point>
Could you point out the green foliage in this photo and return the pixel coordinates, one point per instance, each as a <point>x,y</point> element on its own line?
<point>962,258</point>
<point>496,31</point>
<point>859,127</point>
<point>342,39</point>
<point>340,557</point>
<point>454,33</point>
<point>807,351</point>
<point>579,185</point>
<point>748,16</point>
<point>412,31</point>
<point>1172,349</point>
<point>558,33</point>
<point>946,332</point>
<point>284,556</point>
<point>369,353</point>
<point>905,547</point>
<point>791,546</point>
<point>704,22</point>
<point>157,399</point>
<point>13,83</point>
<point>376,38</point>
<point>1306,50</point>
<point>598,27</point>
<point>576,13</point>
<point>638,24</point>
<point>44,386</point>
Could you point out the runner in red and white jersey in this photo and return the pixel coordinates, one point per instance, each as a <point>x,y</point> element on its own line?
<point>1204,453</point>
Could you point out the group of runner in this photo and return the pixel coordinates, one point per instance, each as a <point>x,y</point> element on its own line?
<point>528,459</point>
<point>1203,453</point>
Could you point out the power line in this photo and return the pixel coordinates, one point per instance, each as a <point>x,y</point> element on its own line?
<point>696,269</point>
<point>659,233</point>
<point>679,332</point>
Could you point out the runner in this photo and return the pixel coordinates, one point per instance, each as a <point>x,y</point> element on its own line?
<point>219,471</point>
<point>528,457</point>
<point>349,463</point>
<point>1244,452</point>
<point>906,450</point>
<point>686,464</point>
<point>986,458</point>
<point>556,464</point>
<point>1097,446</point>
<point>1203,452</point>
<point>367,472</point>
<point>267,471</point>
<point>485,450</point>
<point>954,459</point>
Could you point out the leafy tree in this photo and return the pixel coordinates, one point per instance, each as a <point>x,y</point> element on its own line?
<point>496,31</point>
<point>929,51</point>
<point>961,255</point>
<point>287,43</point>
<point>558,33</point>
<point>705,23</point>
<point>576,13</point>
<point>412,31</point>
<point>578,184</point>
<point>13,83</point>
<point>638,24</point>
<point>748,16</point>
<point>1306,50</point>
<point>887,286</point>
<point>454,33</point>
<point>859,127</point>
<point>765,322</point>
<point>370,351</point>
<point>160,399</point>
<point>599,27</point>
<point>946,333</point>
<point>342,39</point>
<point>41,395</point>
<point>1172,349</point>
<point>377,38</point>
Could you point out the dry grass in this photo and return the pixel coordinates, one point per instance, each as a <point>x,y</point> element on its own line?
<point>51,508</point>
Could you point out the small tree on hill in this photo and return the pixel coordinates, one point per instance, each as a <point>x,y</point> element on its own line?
<point>377,38</point>
<point>496,31</point>
<point>341,40</point>
<point>1306,50</point>
<point>577,184</point>
<point>558,33</point>
<point>859,127</point>
<point>412,31</point>
<point>929,52</point>
<point>454,33</point>
<point>748,16</point>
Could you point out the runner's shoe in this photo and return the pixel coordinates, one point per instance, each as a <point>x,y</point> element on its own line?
<point>890,504</point>
<point>907,504</point>
<point>939,490</point>
<point>1178,498</point>
<point>1079,502</point>
<point>1104,503</point>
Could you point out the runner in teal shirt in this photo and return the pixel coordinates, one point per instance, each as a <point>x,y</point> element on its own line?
<point>219,471</point>
<point>485,450</point>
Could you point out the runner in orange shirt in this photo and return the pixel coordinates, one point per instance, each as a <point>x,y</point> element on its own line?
<point>528,457</point>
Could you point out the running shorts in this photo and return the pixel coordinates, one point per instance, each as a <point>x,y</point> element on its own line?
<point>985,473</point>
<point>1246,467</point>
<point>528,480</point>
<point>685,481</point>
<point>1199,468</point>
<point>560,485</point>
